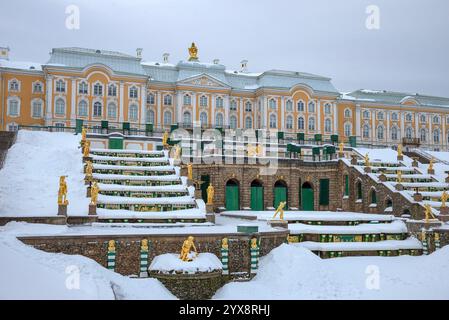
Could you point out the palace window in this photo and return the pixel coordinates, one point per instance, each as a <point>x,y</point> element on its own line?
<point>133,112</point>
<point>167,117</point>
<point>380,116</point>
<point>248,106</point>
<point>187,100</point>
<point>422,118</point>
<point>150,98</point>
<point>289,122</point>
<point>300,106</point>
<point>150,116</point>
<point>219,120</point>
<point>365,131</point>
<point>203,101</point>
<point>98,89</point>
<point>97,109</point>
<point>187,118</point>
<point>219,102</point>
<point>289,105</point>
<point>366,114</point>
<point>311,124</point>
<point>301,123</point>
<point>311,106</point>
<point>248,123</point>
<point>436,119</point>
<point>13,126</point>
<point>348,113</point>
<point>408,117</point>
<point>112,90</point>
<point>233,106</point>
<point>82,109</point>
<point>327,108</point>
<point>60,107</point>
<point>112,110</point>
<point>272,104</point>
<point>203,119</point>
<point>436,136</point>
<point>394,116</point>
<point>37,87</point>
<point>394,133</point>
<point>14,85</point>
<point>273,121</point>
<point>348,130</point>
<point>37,109</point>
<point>409,133</point>
<point>60,86</point>
<point>133,92</point>
<point>233,122</point>
<point>168,101</point>
<point>13,107</point>
<point>82,88</point>
<point>423,135</point>
<point>60,126</point>
<point>380,132</point>
<point>328,125</point>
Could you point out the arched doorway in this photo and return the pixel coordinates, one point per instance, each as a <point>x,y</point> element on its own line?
<point>280,193</point>
<point>307,197</point>
<point>256,196</point>
<point>388,203</point>
<point>232,195</point>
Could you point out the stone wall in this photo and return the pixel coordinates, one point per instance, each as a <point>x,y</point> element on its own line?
<point>7,139</point>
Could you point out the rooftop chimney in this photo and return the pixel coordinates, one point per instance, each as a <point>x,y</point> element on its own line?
<point>4,53</point>
<point>244,66</point>
<point>139,53</point>
<point>216,61</point>
<point>165,57</point>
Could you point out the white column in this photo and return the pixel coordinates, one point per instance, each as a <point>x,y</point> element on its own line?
<point>318,110</point>
<point>266,120</point>
<point>159,108</point>
<point>73,103</point>
<point>402,124</point>
<point>121,104</point>
<point>212,116</point>
<point>282,114</point>
<point>357,120</point>
<point>416,125</point>
<point>49,100</point>
<point>226,110</point>
<point>143,102</point>
<point>194,96</point>
<point>178,107</point>
<point>335,117</point>
<point>373,126</point>
<point>388,127</point>
<point>241,110</point>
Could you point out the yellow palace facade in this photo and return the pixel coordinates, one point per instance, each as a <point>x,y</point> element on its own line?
<point>98,86</point>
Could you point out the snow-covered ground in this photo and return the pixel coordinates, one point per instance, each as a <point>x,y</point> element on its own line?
<point>29,180</point>
<point>289,272</point>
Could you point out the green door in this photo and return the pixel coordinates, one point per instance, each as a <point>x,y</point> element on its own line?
<point>257,198</point>
<point>232,197</point>
<point>280,194</point>
<point>115,143</point>
<point>307,197</point>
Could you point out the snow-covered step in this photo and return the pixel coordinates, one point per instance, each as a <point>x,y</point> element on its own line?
<point>111,160</point>
<point>183,215</point>
<point>394,170</point>
<point>141,180</point>
<point>428,186</point>
<point>127,153</point>
<point>395,227</point>
<point>146,204</point>
<point>143,170</point>
<point>143,191</point>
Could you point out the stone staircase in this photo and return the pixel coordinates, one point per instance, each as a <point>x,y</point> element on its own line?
<point>7,139</point>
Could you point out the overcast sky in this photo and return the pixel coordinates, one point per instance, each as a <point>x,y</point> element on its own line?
<point>409,52</point>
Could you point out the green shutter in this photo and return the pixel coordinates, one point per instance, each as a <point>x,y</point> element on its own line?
<point>346,185</point>
<point>301,136</point>
<point>104,124</point>
<point>281,135</point>
<point>257,198</point>
<point>373,197</point>
<point>324,192</point>
<point>79,125</point>
<point>115,143</point>
<point>126,126</point>
<point>318,137</point>
<point>353,141</point>
<point>334,138</point>
<point>149,127</point>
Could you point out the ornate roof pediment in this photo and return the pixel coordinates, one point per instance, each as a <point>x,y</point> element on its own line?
<point>203,80</point>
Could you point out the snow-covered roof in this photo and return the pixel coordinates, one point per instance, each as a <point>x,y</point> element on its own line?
<point>21,65</point>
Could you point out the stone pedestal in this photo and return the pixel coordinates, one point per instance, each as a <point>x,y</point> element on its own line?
<point>415,163</point>
<point>87,159</point>
<point>444,210</point>
<point>87,181</point>
<point>88,192</point>
<point>62,210</point>
<point>417,197</point>
<point>383,177</point>
<point>209,208</point>
<point>92,209</point>
<point>278,223</point>
<point>341,155</point>
<point>367,169</point>
<point>198,194</point>
<point>210,217</point>
<point>400,158</point>
<point>399,187</point>
<point>354,160</point>
<point>430,171</point>
<point>447,179</point>
<point>415,226</point>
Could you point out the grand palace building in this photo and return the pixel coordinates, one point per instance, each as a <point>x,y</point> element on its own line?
<point>95,87</point>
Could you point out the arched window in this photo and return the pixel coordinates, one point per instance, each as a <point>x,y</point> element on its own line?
<point>436,119</point>
<point>373,196</point>
<point>301,106</point>
<point>150,116</point>
<point>380,115</point>
<point>60,107</point>
<point>248,123</point>
<point>359,190</point>
<point>133,112</point>
<point>133,92</point>
<point>82,109</point>
<point>150,98</point>
<point>187,100</point>
<point>311,106</point>
<point>219,120</point>
<point>348,129</point>
<point>272,104</point>
<point>14,85</point>
<point>273,121</point>
<point>37,109</point>
<point>112,90</point>
<point>423,135</point>
<point>394,133</point>
<point>167,117</point>
<point>289,105</point>
<point>348,113</point>
<point>311,124</point>
<point>203,118</point>
<point>37,87</point>
<point>436,136</point>
<point>60,86</point>
<point>380,132</point>
<point>409,133</point>
<point>203,101</point>
<point>219,102</point>
<point>365,131</point>
<point>13,107</point>
<point>97,109</point>
<point>394,116</point>
<point>408,117</point>
<point>168,102</point>
<point>327,108</point>
<point>98,89</point>
<point>82,88</point>
<point>366,114</point>
<point>233,105</point>
<point>301,123</point>
<point>289,122</point>
<point>112,110</point>
<point>248,106</point>
<point>233,122</point>
<point>328,125</point>
<point>187,118</point>
<point>422,118</point>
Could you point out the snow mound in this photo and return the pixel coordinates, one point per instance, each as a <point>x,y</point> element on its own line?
<point>29,180</point>
<point>170,263</point>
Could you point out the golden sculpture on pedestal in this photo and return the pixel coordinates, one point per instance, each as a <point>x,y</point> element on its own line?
<point>366,160</point>
<point>83,134</point>
<point>177,154</point>
<point>187,247</point>
<point>429,214</point>
<point>259,150</point>
<point>193,52</point>
<point>444,198</point>
<point>210,194</point>
<point>94,190</point>
<point>165,139</point>
<point>399,176</point>
<point>341,147</point>
<point>86,150</point>
<point>89,170</point>
<point>189,172</point>
<point>431,162</point>
<point>399,150</point>
<point>280,210</point>
<point>62,192</point>
<point>254,243</point>
<point>224,243</point>
<point>251,150</point>
<point>144,245</point>
<point>111,246</point>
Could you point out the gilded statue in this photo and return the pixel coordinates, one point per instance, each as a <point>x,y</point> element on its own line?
<point>86,150</point>
<point>399,150</point>
<point>210,194</point>
<point>444,198</point>
<point>165,139</point>
<point>111,246</point>
<point>193,52</point>
<point>177,154</point>
<point>144,245</point>
<point>224,243</point>
<point>341,147</point>
<point>259,150</point>
<point>431,162</point>
<point>189,172</point>
<point>366,160</point>
<point>62,192</point>
<point>83,134</point>
<point>94,193</point>
<point>89,170</point>
<point>428,213</point>
<point>280,210</point>
<point>252,150</point>
<point>187,247</point>
<point>399,176</point>
<point>254,243</point>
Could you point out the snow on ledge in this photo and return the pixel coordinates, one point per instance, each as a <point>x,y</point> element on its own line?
<point>170,263</point>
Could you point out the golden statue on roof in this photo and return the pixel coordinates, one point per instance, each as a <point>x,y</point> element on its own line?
<point>193,52</point>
